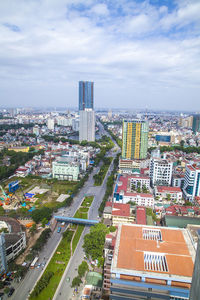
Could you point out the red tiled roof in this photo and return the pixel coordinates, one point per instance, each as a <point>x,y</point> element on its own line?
<point>120,209</point>
<point>141,215</point>
<point>108,204</point>
<point>170,189</point>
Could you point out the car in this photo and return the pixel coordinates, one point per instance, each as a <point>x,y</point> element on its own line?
<point>11,292</point>
<point>1,294</point>
<point>68,279</point>
<point>59,230</point>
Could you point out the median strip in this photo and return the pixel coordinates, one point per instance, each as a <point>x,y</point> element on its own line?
<point>48,283</point>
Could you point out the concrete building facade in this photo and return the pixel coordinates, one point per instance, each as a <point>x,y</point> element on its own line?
<point>3,261</point>
<point>64,170</point>
<point>191,188</point>
<point>87,125</point>
<point>134,139</point>
<point>160,172</point>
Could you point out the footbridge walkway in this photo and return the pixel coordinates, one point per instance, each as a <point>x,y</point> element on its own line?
<point>76,220</point>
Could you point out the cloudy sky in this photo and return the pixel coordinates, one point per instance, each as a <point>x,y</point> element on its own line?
<point>140,54</point>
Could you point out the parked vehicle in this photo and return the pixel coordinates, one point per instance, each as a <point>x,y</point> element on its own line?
<point>33,264</point>
<point>11,292</point>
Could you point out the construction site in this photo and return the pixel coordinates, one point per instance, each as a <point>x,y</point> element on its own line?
<point>33,193</point>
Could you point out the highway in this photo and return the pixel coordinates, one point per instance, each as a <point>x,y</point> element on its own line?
<point>64,290</point>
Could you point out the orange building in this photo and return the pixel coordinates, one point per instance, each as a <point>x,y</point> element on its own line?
<point>150,263</point>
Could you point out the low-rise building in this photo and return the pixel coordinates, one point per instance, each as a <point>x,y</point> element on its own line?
<point>118,213</point>
<point>169,193</point>
<point>123,192</point>
<point>128,166</point>
<point>64,170</point>
<point>19,149</point>
<point>15,237</point>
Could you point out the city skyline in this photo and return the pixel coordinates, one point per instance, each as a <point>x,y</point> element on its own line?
<point>139,53</point>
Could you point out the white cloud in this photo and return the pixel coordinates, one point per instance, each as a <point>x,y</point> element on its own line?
<point>61,42</point>
<point>100,9</point>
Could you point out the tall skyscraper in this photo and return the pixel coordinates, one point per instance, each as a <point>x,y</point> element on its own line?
<point>86,112</point>
<point>135,139</point>
<point>87,125</point>
<point>86,94</point>
<point>196,123</point>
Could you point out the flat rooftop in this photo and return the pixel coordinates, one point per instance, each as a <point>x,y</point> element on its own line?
<point>153,250</point>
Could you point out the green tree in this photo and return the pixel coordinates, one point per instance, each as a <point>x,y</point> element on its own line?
<point>33,229</point>
<point>44,222</point>
<point>2,211</point>
<point>94,241</point>
<point>39,214</point>
<point>6,290</point>
<point>83,267</point>
<point>76,281</point>
<point>168,197</point>
<point>112,228</point>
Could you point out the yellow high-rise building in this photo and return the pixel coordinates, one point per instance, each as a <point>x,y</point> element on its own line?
<point>135,139</point>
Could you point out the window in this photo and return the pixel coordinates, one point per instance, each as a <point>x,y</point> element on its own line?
<point>151,234</point>
<point>155,262</point>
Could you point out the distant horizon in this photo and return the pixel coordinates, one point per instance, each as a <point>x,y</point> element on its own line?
<point>73,108</point>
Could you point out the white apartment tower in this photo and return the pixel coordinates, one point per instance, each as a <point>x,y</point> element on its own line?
<point>50,124</point>
<point>160,171</point>
<point>87,125</point>
<point>191,188</point>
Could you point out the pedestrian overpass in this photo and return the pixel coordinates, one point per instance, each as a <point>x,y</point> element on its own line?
<point>76,220</point>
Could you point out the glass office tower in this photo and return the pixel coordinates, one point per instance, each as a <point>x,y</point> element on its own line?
<point>196,123</point>
<point>86,94</point>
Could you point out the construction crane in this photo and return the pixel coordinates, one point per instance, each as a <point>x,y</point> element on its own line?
<point>4,193</point>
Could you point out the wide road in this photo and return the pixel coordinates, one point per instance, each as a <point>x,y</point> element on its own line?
<point>64,290</point>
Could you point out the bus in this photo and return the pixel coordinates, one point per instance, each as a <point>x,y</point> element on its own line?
<point>32,266</point>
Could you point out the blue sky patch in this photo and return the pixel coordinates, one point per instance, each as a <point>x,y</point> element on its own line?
<point>12,27</point>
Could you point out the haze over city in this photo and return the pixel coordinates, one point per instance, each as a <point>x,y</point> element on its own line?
<point>138,53</point>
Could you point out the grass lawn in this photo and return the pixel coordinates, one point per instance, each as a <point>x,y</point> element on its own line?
<point>87,201</point>
<point>77,236</point>
<point>56,268</point>
<point>63,187</point>
<point>84,209</point>
<point>80,215</point>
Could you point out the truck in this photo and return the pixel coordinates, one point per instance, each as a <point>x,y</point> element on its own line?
<point>33,264</point>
